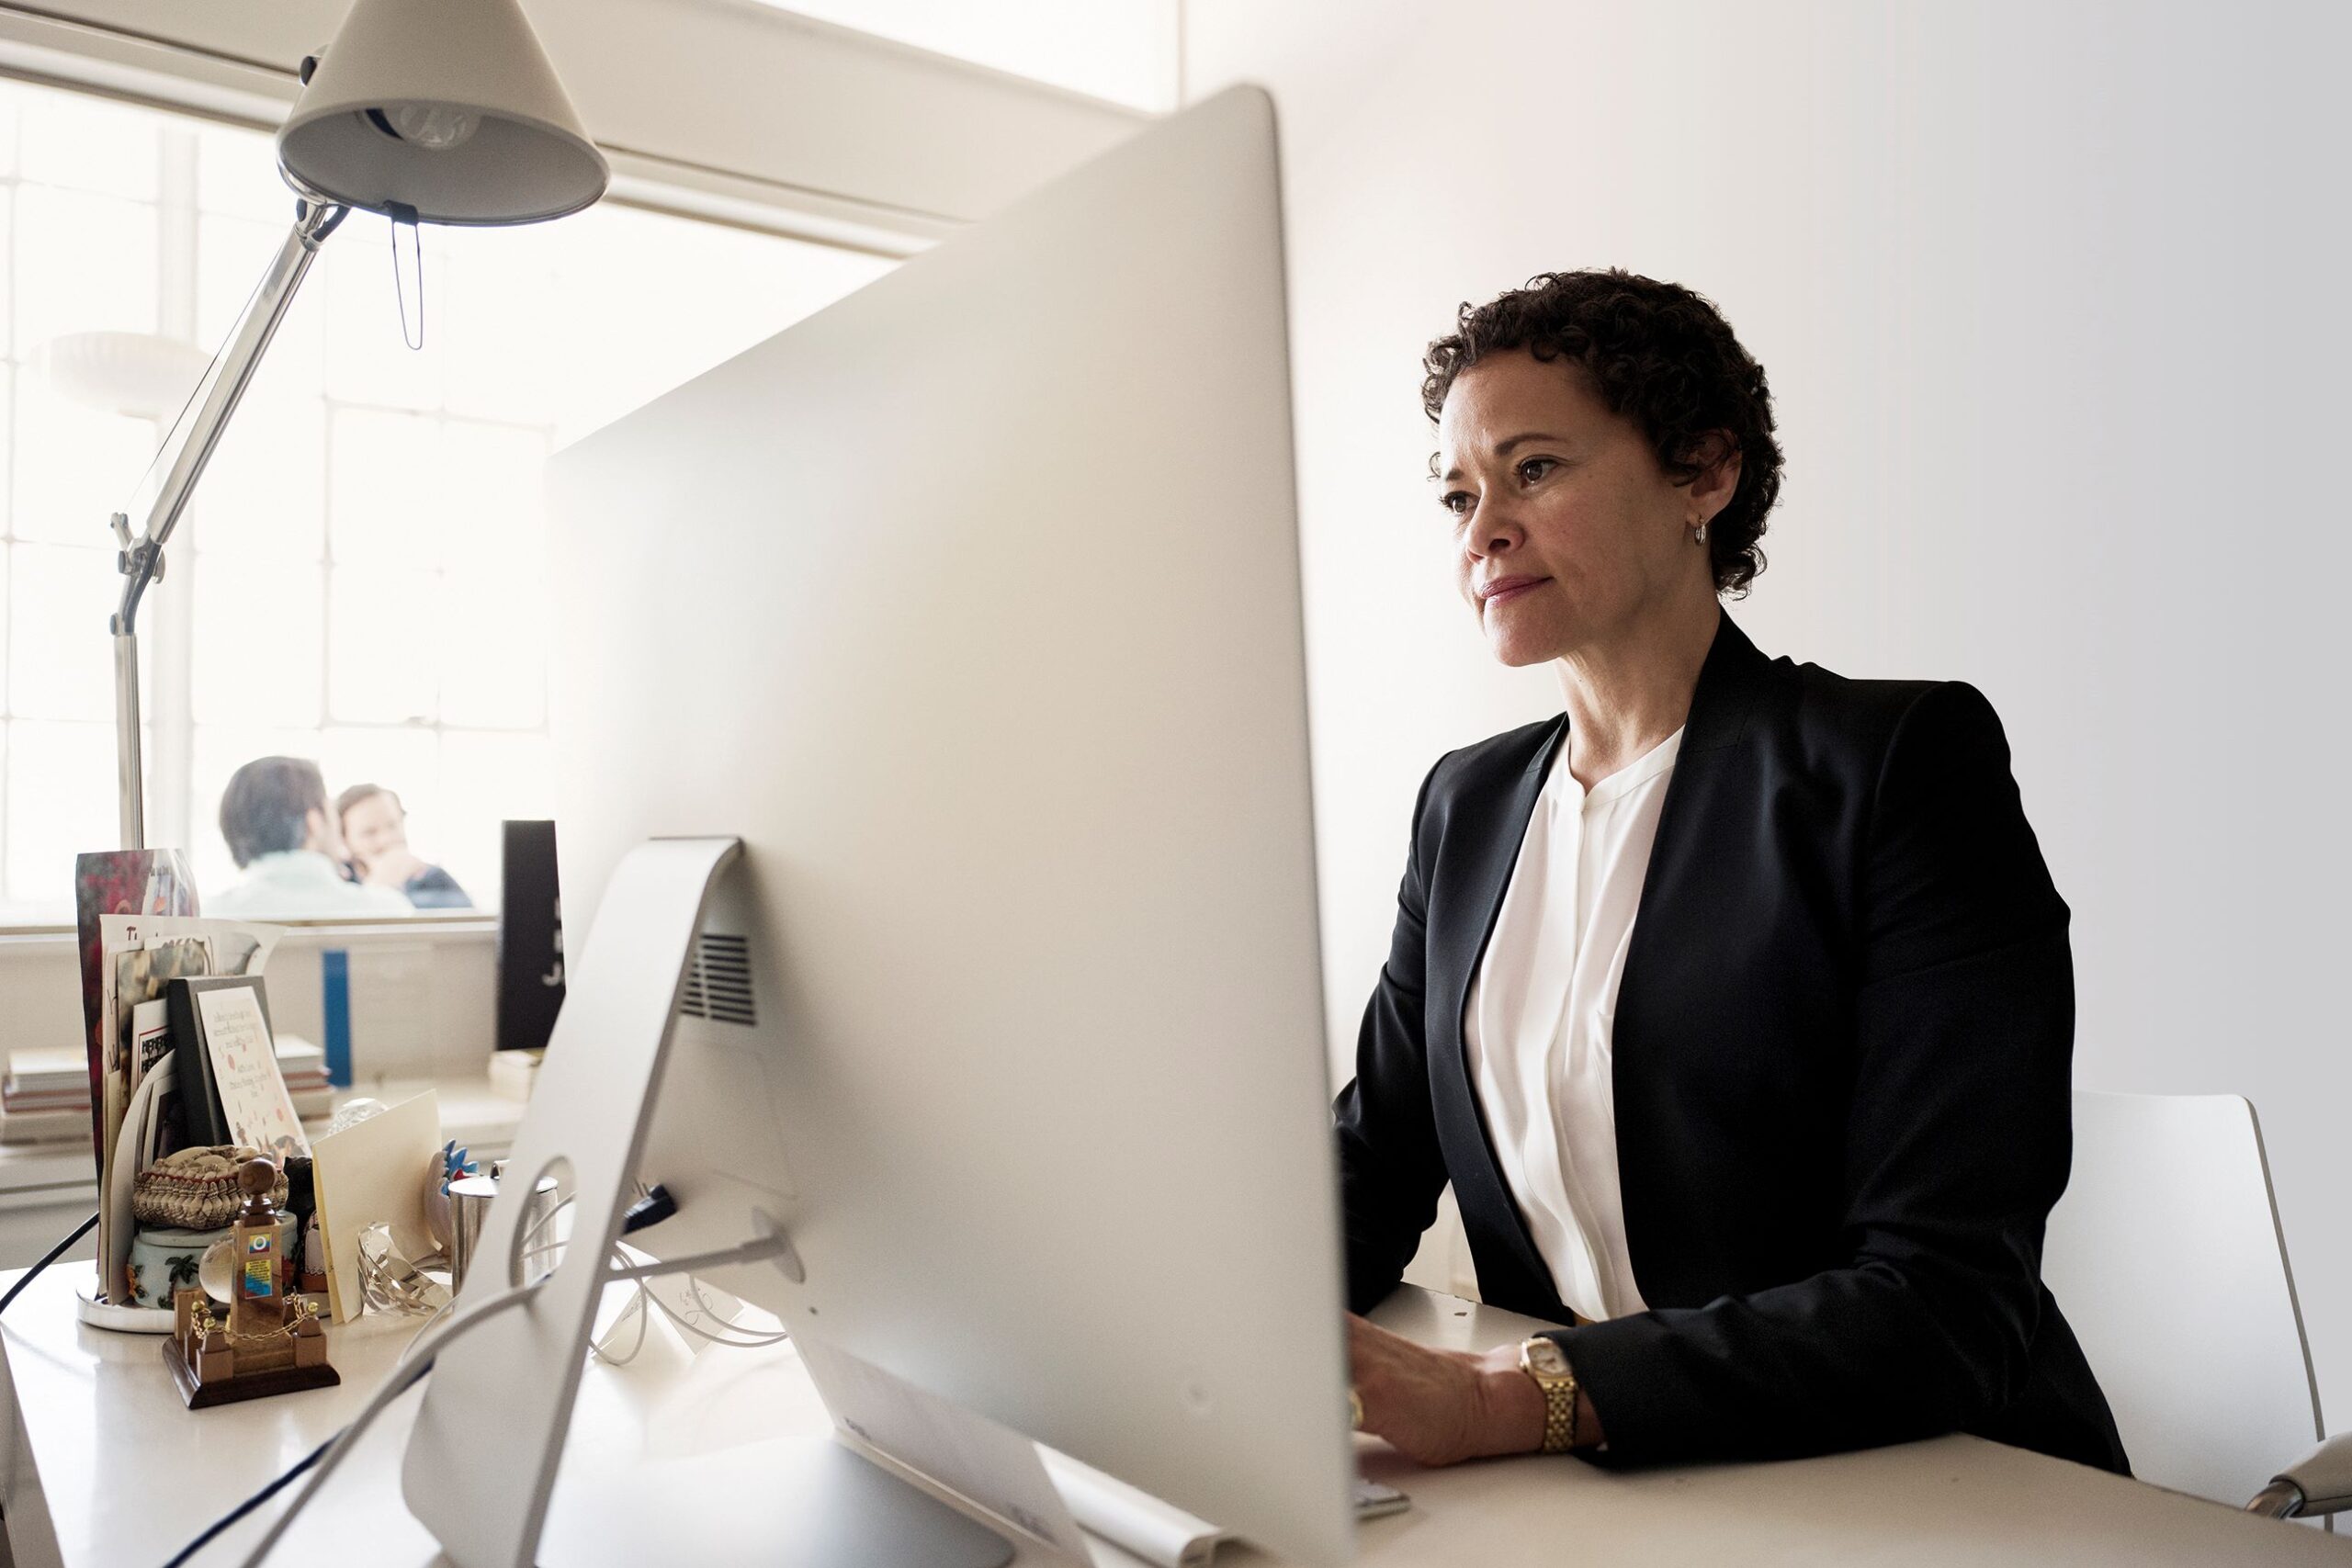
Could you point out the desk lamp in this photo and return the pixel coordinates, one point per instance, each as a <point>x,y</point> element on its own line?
<point>427,111</point>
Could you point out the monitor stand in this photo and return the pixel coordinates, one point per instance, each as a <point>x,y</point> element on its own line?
<point>482,1457</point>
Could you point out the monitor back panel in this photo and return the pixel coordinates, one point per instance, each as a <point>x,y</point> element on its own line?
<point>972,604</point>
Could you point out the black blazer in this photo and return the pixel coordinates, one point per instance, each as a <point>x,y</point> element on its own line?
<point>1842,1047</point>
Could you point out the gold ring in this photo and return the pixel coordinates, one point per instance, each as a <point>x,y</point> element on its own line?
<point>1355,1411</point>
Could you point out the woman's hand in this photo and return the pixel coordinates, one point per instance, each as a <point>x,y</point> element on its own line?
<point>1443,1406</point>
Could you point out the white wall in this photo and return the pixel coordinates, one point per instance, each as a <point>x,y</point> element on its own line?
<point>2050,298</point>
<point>1120,50</point>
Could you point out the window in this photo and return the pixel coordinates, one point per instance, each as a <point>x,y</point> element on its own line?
<point>362,577</point>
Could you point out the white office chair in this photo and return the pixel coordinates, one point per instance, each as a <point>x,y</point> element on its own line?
<point>2166,1257</point>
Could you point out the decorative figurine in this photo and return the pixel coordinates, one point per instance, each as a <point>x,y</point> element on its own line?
<point>271,1341</point>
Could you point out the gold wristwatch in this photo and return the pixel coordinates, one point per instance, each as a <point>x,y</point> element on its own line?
<point>1544,1360</point>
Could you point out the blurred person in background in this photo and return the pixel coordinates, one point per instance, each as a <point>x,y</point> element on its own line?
<point>290,847</point>
<point>375,828</point>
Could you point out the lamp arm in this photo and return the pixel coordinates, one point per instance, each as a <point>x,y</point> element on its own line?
<point>141,560</point>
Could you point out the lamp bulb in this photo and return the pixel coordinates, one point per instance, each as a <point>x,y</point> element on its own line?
<point>434,127</point>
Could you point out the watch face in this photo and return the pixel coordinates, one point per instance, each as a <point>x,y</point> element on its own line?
<point>1545,1356</point>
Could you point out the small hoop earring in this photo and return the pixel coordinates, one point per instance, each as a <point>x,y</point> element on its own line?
<point>1699,535</point>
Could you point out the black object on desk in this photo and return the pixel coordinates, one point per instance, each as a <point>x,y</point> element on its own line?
<point>202,1118</point>
<point>530,938</point>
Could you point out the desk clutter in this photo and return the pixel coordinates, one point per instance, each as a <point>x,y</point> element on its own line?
<point>368,1201</point>
<point>185,1203</point>
<point>252,1258</point>
<point>180,1053</point>
<point>224,1223</point>
<point>265,1339</point>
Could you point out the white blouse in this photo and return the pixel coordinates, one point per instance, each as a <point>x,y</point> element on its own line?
<point>1537,1024</point>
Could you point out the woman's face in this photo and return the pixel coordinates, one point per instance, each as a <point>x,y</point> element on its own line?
<point>1567,532</point>
<point>374,826</point>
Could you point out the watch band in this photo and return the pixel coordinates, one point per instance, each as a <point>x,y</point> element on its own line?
<point>1559,1388</point>
<point>1559,1414</point>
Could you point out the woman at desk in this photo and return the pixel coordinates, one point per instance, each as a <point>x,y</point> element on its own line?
<point>1736,1001</point>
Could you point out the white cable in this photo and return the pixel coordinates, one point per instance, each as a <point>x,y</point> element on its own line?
<point>694,1288</point>
<point>642,1304</point>
<point>530,1254</point>
<point>749,1252</point>
<point>622,1268</point>
<point>544,1221</point>
<point>406,1374</point>
<point>750,1339</point>
<point>757,1343</point>
<point>403,1379</point>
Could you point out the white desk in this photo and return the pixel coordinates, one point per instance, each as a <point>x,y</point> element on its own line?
<point>103,1469</point>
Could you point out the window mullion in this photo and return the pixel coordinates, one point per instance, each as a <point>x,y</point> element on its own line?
<point>171,755</point>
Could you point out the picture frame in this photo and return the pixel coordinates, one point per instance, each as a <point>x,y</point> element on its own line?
<point>231,1089</point>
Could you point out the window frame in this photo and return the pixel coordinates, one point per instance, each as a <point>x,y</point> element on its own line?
<point>198,89</point>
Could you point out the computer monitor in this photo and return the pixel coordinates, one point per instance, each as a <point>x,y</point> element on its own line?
<point>971,605</point>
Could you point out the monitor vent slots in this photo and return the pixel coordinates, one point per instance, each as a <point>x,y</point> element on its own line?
<point>718,981</point>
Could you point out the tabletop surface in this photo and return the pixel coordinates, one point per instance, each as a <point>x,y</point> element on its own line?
<point>104,1468</point>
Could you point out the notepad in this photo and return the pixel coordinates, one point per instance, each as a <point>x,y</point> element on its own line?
<point>374,1171</point>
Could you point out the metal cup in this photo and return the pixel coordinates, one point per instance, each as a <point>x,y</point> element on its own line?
<point>469,1200</point>
<point>542,1244</point>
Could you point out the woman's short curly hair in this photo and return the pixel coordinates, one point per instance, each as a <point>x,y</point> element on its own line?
<point>1660,355</point>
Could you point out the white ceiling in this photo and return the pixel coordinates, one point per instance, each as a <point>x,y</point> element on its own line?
<point>1123,50</point>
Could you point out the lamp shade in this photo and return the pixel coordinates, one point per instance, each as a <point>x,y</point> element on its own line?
<point>448,107</point>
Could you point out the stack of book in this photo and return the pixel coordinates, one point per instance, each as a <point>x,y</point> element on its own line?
<point>45,1098</point>
<point>304,1067</point>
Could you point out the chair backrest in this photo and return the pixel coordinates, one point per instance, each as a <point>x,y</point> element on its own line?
<point>2166,1257</point>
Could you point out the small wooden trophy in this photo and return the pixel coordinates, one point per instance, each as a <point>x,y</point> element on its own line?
<point>272,1342</point>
